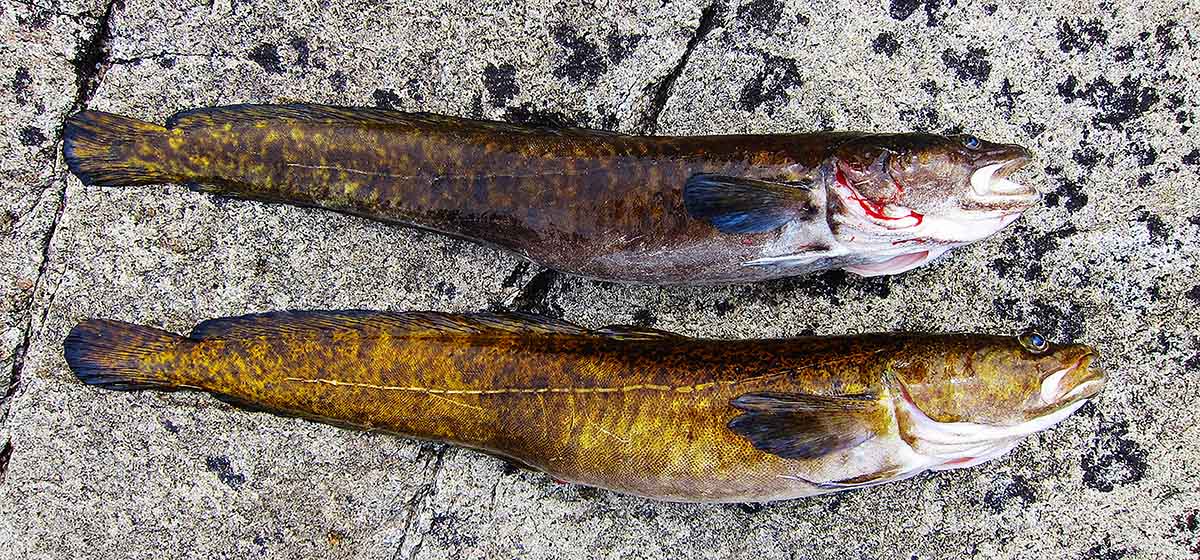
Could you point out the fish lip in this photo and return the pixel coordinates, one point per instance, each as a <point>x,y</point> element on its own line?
<point>990,184</point>
<point>1088,386</point>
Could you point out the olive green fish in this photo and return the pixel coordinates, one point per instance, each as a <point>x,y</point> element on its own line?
<point>633,410</point>
<point>642,209</point>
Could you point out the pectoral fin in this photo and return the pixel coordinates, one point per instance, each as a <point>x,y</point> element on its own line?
<point>799,426</point>
<point>740,205</point>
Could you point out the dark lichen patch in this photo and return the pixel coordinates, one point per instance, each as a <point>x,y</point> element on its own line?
<point>771,84</point>
<point>903,9</point>
<point>446,289</point>
<point>584,61</point>
<point>1116,104</point>
<point>1069,192</point>
<point>1026,249</point>
<point>266,55</point>
<point>1145,154</point>
<point>886,43</point>
<point>1192,157</point>
<point>526,113</point>
<point>300,45</point>
<point>338,81</point>
<point>763,15</point>
<point>501,83</point>
<point>1194,293</point>
<point>1012,491</point>
<point>621,46</point>
<point>750,508</point>
<point>644,318</point>
<point>220,465</point>
<point>723,307</point>
<point>1087,156</point>
<point>387,99</point>
<point>1033,129</point>
<point>20,84</point>
<point>1105,551</point>
<point>1006,99</point>
<point>923,119</point>
<point>1163,35</point>
<point>1081,36</point>
<point>32,136</point>
<point>1114,459</point>
<point>969,66</point>
<point>1158,230</point>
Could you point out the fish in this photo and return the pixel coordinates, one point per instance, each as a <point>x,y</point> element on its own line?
<point>714,209</point>
<point>634,410</point>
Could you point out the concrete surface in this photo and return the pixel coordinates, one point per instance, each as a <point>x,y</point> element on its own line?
<point>1106,95</point>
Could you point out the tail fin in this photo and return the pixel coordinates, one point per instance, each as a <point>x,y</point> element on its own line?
<point>120,356</point>
<point>101,149</point>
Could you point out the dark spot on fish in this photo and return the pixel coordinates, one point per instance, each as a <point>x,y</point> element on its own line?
<point>584,62</point>
<point>387,99</point>
<point>20,84</point>
<point>1006,99</point>
<point>763,15</point>
<point>620,46</point>
<point>267,56</point>
<point>886,43</point>
<point>1192,157</point>
<point>644,318</point>
<point>529,115</point>
<point>924,119</point>
<point>1157,229</point>
<point>1080,36</point>
<point>1114,459</point>
<point>1105,551</point>
<point>971,66</point>
<point>338,81</point>
<point>220,465</point>
<point>501,83</point>
<point>771,84</point>
<point>32,136</point>
<point>902,9</point>
<point>1013,490</point>
<point>300,45</point>
<point>750,508</point>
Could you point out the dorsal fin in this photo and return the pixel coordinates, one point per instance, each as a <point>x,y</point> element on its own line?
<point>632,332</point>
<point>801,426</point>
<point>410,324</point>
<point>332,114</point>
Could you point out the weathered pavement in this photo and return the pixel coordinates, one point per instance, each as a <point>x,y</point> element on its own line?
<point>1105,96</point>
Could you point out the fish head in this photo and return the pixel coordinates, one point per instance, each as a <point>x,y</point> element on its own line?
<point>938,189</point>
<point>966,399</point>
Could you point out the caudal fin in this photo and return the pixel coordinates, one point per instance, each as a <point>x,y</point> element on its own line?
<point>104,149</point>
<point>121,356</point>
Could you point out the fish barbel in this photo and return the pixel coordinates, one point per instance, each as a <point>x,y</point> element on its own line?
<point>640,209</point>
<point>634,410</point>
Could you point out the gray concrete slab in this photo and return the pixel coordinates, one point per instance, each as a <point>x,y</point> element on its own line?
<point>1105,95</point>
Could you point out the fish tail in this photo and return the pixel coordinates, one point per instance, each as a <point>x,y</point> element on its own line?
<point>123,356</point>
<point>106,150</point>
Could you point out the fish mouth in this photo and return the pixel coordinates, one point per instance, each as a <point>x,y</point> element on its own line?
<point>1074,383</point>
<point>991,187</point>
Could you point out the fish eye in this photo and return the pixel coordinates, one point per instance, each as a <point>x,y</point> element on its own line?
<point>970,142</point>
<point>1034,342</point>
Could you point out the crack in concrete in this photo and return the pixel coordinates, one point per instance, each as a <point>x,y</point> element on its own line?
<point>90,63</point>
<point>419,503</point>
<point>5,454</point>
<point>665,87</point>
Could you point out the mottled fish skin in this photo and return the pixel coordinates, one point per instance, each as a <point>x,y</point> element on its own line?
<point>591,203</point>
<point>633,410</point>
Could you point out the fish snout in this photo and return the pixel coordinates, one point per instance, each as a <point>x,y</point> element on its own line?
<point>1073,383</point>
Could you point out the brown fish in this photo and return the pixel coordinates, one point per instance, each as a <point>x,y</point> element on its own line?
<point>644,209</point>
<point>633,410</point>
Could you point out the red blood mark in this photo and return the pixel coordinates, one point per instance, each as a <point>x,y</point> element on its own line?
<point>959,461</point>
<point>875,209</point>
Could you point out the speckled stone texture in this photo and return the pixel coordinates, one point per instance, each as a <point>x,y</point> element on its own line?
<point>1106,95</point>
